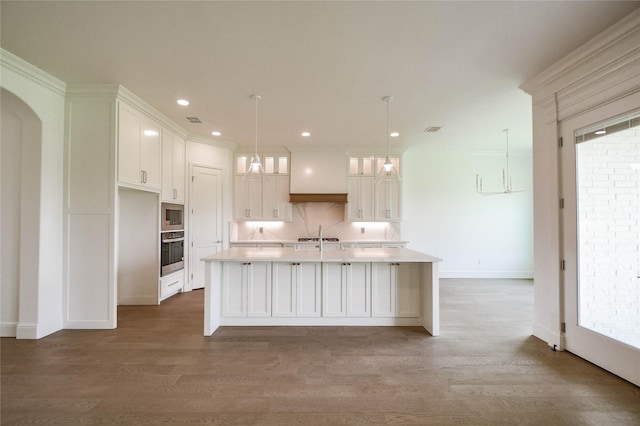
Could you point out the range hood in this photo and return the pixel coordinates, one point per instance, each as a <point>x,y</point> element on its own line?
<point>318,177</point>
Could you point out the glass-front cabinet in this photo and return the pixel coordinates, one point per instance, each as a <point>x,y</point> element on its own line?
<point>262,195</point>
<point>374,192</point>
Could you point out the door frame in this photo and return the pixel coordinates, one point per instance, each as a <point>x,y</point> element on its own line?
<point>619,358</point>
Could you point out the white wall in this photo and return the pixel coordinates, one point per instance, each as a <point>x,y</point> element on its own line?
<point>12,124</point>
<point>40,292</point>
<point>476,236</point>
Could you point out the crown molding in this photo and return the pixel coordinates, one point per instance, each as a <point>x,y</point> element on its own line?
<point>18,65</point>
<point>217,143</point>
<point>619,39</point>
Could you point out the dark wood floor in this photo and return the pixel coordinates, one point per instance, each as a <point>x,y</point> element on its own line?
<point>157,368</point>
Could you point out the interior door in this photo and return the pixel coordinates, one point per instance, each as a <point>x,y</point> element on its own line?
<point>205,221</point>
<point>601,236</point>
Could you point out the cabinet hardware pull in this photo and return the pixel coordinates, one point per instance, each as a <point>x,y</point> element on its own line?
<point>173,283</point>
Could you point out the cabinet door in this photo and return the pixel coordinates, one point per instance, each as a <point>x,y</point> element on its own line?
<point>387,200</point>
<point>129,133</point>
<point>234,289</point>
<point>360,206</point>
<point>361,165</point>
<point>284,289</point>
<point>172,168</point>
<point>358,289</point>
<point>258,289</point>
<point>383,289</point>
<point>309,289</point>
<point>276,164</point>
<point>276,198</point>
<point>151,154</point>
<point>248,198</point>
<point>334,289</point>
<point>178,168</point>
<point>408,290</point>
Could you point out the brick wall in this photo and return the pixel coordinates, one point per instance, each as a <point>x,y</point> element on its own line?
<point>608,170</point>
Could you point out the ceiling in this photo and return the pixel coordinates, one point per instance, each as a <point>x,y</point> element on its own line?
<point>321,67</point>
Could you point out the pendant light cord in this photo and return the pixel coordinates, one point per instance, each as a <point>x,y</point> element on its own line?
<point>256,97</point>
<point>388,99</point>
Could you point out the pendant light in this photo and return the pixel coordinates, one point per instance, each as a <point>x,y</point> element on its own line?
<point>388,170</point>
<point>255,166</point>
<point>507,185</point>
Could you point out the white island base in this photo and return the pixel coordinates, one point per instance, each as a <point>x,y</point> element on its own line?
<point>352,287</point>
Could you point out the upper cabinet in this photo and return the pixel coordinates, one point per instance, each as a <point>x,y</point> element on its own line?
<point>374,194</point>
<point>387,191</point>
<point>139,149</point>
<point>266,196</point>
<point>361,165</point>
<point>275,164</point>
<point>173,151</point>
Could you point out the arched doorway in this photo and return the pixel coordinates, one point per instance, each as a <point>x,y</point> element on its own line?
<point>20,214</point>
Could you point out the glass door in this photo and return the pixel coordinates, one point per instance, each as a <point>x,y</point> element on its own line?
<point>601,233</point>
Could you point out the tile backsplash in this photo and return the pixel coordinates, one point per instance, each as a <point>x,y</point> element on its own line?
<point>307,217</point>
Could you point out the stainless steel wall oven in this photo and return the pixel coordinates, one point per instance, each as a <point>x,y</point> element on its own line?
<point>171,239</point>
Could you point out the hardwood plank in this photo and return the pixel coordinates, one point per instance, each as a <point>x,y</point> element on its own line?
<point>157,368</point>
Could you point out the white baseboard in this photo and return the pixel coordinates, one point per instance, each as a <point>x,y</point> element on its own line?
<point>519,275</point>
<point>36,331</point>
<point>551,337</point>
<point>8,329</point>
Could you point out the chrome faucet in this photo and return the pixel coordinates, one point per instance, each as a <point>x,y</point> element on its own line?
<point>320,236</point>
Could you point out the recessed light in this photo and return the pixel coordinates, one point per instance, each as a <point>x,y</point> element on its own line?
<point>182,102</point>
<point>216,133</point>
<point>601,132</point>
<point>306,134</point>
<point>394,134</point>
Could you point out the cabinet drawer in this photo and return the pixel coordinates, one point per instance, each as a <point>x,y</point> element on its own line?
<point>171,284</point>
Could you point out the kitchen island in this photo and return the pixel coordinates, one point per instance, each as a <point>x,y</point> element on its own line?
<point>279,286</point>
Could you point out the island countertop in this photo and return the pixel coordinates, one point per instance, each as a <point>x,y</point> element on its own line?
<point>289,254</point>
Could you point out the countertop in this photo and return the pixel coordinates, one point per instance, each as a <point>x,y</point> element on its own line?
<point>315,242</point>
<point>289,254</point>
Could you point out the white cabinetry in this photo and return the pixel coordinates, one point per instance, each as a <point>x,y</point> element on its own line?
<point>259,289</point>
<point>266,196</point>
<point>387,191</point>
<point>248,197</point>
<point>408,286</point>
<point>387,200</point>
<point>139,149</point>
<point>171,284</point>
<point>173,149</point>
<point>296,289</point>
<point>361,204</point>
<point>374,195</point>
<point>246,289</point>
<point>276,164</point>
<point>275,191</point>
<point>346,290</point>
<point>395,290</point>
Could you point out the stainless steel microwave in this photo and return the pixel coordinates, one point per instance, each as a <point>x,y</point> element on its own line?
<point>172,217</point>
